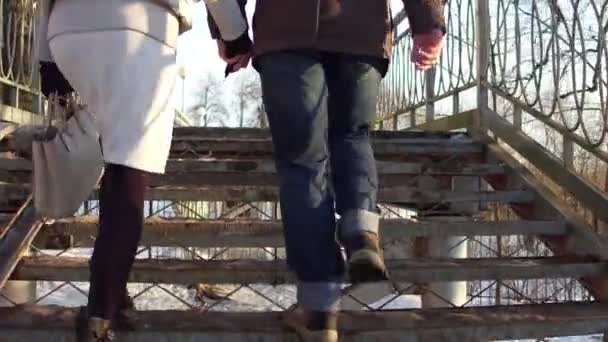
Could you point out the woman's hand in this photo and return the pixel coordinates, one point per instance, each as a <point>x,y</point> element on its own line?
<point>237,54</point>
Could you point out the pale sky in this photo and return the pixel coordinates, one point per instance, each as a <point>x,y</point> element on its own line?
<point>197,52</point>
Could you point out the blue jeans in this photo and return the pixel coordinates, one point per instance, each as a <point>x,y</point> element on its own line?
<point>320,107</point>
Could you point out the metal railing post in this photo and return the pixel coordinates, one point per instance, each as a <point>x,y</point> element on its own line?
<point>483,59</point>
<point>429,83</point>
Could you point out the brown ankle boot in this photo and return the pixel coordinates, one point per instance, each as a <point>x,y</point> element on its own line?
<point>365,261</point>
<point>299,321</point>
<point>93,329</point>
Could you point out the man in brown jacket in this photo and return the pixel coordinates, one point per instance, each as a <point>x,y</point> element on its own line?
<point>321,63</point>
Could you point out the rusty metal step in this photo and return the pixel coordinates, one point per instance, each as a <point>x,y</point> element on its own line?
<point>211,171</point>
<point>48,323</point>
<point>177,271</point>
<point>383,148</point>
<point>190,141</point>
<point>400,195</point>
<point>262,133</point>
<point>80,231</point>
<point>197,141</point>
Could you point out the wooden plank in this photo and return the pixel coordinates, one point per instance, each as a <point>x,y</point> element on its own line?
<point>19,116</point>
<point>404,195</point>
<point>399,195</point>
<point>266,166</point>
<point>16,238</point>
<point>551,166</point>
<point>263,233</point>
<point>205,172</point>
<point>15,164</point>
<point>236,141</point>
<point>580,239</point>
<point>241,271</point>
<point>438,147</point>
<point>189,133</point>
<point>447,325</point>
<point>449,123</point>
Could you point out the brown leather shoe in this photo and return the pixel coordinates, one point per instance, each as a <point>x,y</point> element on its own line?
<point>365,261</point>
<point>298,320</point>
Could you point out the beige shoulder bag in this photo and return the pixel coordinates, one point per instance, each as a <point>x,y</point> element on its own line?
<point>68,161</point>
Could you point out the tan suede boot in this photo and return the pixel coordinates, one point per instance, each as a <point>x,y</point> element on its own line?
<point>365,261</point>
<point>296,320</point>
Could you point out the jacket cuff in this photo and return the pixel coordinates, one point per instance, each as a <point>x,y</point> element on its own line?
<point>355,222</point>
<point>226,18</point>
<point>238,46</point>
<point>425,15</point>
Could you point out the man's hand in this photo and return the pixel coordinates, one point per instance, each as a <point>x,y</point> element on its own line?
<point>427,49</point>
<point>236,54</point>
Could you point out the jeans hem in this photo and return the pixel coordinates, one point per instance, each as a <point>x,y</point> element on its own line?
<point>319,296</point>
<point>355,222</point>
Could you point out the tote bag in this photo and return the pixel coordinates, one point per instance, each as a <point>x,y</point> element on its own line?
<point>67,159</point>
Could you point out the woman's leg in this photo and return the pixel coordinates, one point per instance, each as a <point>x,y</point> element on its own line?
<point>121,204</point>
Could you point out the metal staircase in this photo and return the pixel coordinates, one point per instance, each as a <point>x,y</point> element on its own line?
<point>235,166</point>
<point>493,219</point>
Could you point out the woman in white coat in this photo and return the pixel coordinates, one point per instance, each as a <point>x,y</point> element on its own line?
<point>119,56</point>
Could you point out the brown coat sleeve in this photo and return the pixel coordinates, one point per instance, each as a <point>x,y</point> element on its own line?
<point>425,15</point>
<point>214,30</point>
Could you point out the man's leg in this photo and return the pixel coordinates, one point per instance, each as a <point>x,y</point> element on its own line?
<point>295,97</point>
<point>353,83</point>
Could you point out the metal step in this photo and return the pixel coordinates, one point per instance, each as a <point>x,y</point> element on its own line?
<point>210,171</point>
<point>57,324</point>
<point>218,141</point>
<point>267,166</point>
<point>399,195</point>
<point>80,231</point>
<point>192,141</point>
<point>177,271</point>
<point>262,133</point>
<point>383,148</point>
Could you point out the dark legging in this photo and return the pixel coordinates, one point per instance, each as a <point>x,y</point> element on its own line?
<point>121,202</point>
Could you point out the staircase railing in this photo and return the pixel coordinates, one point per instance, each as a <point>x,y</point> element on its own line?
<point>409,97</point>
<point>541,66</point>
<point>18,75</point>
<point>531,76</point>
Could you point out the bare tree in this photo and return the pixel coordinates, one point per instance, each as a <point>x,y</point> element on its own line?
<point>260,120</point>
<point>210,109</point>
<point>248,100</point>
